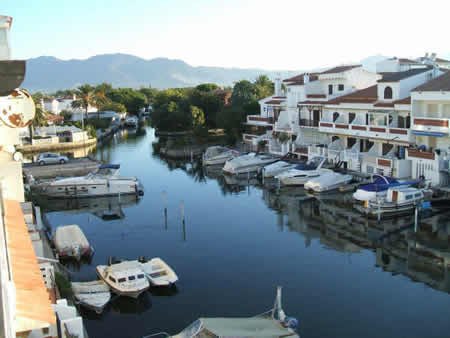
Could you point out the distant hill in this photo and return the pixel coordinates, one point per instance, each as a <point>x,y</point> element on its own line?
<point>47,73</point>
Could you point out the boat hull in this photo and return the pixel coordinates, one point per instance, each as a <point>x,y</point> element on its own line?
<point>117,291</point>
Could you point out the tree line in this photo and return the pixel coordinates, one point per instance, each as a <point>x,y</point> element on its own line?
<point>206,106</point>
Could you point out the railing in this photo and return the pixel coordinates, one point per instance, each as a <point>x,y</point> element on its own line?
<point>308,123</point>
<point>258,118</point>
<point>426,124</point>
<point>426,155</point>
<point>384,132</point>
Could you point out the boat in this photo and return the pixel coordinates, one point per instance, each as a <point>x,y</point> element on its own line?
<point>399,200</point>
<point>218,155</point>
<point>378,188</point>
<point>247,163</point>
<point>289,161</point>
<point>125,278</point>
<point>70,242</point>
<point>273,323</point>
<point>158,272</point>
<point>105,181</point>
<point>131,122</point>
<point>327,182</point>
<point>94,295</point>
<point>303,172</point>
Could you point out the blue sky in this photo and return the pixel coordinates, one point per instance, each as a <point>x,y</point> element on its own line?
<point>282,34</point>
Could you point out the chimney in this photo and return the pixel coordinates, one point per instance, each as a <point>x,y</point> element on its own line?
<point>433,57</point>
<point>278,87</point>
<point>305,78</point>
<point>5,26</point>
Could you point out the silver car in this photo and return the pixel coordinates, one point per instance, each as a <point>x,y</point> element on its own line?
<point>51,158</point>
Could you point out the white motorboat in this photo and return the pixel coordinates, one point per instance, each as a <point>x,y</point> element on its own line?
<point>378,188</point>
<point>289,161</point>
<point>399,200</point>
<point>327,181</point>
<point>70,242</point>
<point>247,163</point>
<point>105,181</point>
<point>131,121</point>
<point>93,295</point>
<point>125,278</point>
<point>218,155</point>
<point>303,172</point>
<point>158,272</point>
<point>273,323</point>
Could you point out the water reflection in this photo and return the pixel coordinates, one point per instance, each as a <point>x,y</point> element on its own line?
<point>106,208</point>
<point>127,305</point>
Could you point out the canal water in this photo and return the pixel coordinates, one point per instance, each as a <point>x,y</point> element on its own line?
<point>240,241</point>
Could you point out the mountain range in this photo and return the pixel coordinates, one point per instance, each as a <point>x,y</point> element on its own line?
<point>47,73</point>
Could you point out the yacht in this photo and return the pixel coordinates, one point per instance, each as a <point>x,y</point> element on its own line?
<point>398,200</point>
<point>105,181</point>
<point>247,163</point>
<point>378,188</point>
<point>273,323</point>
<point>218,155</point>
<point>125,278</point>
<point>327,181</point>
<point>303,172</point>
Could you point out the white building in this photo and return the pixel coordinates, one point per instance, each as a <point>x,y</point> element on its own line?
<point>430,123</point>
<point>57,105</point>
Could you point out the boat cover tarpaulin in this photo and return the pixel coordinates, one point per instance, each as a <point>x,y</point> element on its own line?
<point>68,236</point>
<point>245,327</point>
<point>109,166</point>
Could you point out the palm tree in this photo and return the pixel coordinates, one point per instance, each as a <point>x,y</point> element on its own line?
<point>88,96</point>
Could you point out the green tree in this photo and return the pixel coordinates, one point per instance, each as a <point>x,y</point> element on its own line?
<point>87,96</point>
<point>132,99</point>
<point>243,92</point>
<point>114,106</point>
<point>207,87</point>
<point>263,87</point>
<point>149,93</point>
<point>198,116</point>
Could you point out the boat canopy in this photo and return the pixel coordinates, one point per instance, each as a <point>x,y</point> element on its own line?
<point>109,166</point>
<point>245,327</point>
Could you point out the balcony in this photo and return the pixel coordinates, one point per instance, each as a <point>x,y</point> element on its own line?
<point>360,130</point>
<point>431,126</point>
<point>259,120</point>
<point>419,154</point>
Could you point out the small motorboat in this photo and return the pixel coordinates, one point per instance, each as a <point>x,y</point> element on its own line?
<point>327,182</point>
<point>273,323</point>
<point>399,200</point>
<point>158,272</point>
<point>303,172</point>
<point>289,161</point>
<point>93,295</point>
<point>247,163</point>
<point>70,242</point>
<point>378,188</point>
<point>218,155</point>
<point>126,278</point>
<point>131,122</point>
<point>105,181</point>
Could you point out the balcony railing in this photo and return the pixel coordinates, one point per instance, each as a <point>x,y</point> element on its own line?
<point>258,118</point>
<point>431,125</point>
<point>384,132</point>
<point>308,123</point>
<point>425,155</point>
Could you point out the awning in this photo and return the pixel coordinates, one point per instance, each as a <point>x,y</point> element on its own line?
<point>429,133</point>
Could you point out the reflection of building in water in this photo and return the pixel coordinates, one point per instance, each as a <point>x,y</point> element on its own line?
<point>106,208</point>
<point>422,256</point>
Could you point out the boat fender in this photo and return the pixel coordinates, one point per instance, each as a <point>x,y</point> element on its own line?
<point>426,205</point>
<point>291,323</point>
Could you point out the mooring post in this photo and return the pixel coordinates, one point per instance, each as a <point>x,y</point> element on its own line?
<point>183,221</point>
<point>262,175</point>
<point>416,217</point>
<point>164,197</point>
<point>379,211</point>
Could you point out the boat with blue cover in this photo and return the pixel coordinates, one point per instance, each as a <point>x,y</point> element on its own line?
<point>378,188</point>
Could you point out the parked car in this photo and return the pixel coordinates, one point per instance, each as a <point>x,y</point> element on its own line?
<point>51,158</point>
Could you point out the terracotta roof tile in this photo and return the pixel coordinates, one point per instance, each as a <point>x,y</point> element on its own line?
<point>406,100</point>
<point>33,309</point>
<point>316,96</point>
<point>441,83</point>
<point>397,76</point>
<point>366,95</point>
<point>273,102</point>
<point>340,69</point>
<point>310,102</point>
<point>299,79</point>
